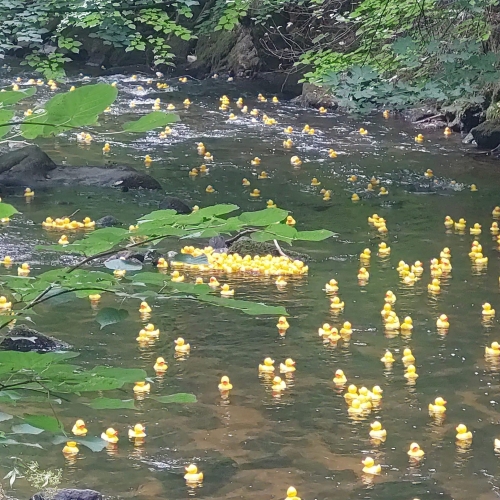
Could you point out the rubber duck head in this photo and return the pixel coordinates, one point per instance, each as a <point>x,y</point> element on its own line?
<point>439,401</point>
<point>355,197</point>
<point>111,433</point>
<point>383,191</point>
<point>368,462</point>
<point>428,173</point>
<point>473,187</point>
<point>179,341</point>
<point>291,492</point>
<point>224,382</point>
<point>191,469</point>
<point>461,429</point>
<point>289,362</point>
<point>271,204</point>
<point>419,138</point>
<point>411,369</point>
<point>376,426</point>
<point>80,424</point>
<point>352,389</point>
<point>255,193</point>
<point>377,390</point>
<point>295,161</point>
<point>268,362</point>
<point>363,131</point>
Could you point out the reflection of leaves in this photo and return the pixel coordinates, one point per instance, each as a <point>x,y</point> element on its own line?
<point>181,397</point>
<point>112,404</point>
<point>7,442</point>
<point>110,316</point>
<point>150,121</point>
<point>124,264</point>
<point>44,422</point>
<point>26,429</point>
<point>4,416</point>
<point>245,306</point>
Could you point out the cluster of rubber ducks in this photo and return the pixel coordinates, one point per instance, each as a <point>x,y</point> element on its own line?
<point>66,223</point>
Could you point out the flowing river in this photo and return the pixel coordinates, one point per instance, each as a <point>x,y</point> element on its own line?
<point>254,443</point>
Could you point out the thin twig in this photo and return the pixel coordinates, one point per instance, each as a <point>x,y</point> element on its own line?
<point>283,254</point>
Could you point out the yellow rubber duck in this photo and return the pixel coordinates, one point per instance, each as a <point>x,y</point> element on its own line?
<point>392,322</point>
<point>63,240</point>
<point>150,331</point>
<point>460,225</point>
<point>496,444</point>
<point>322,110</point>
<point>411,373</point>
<point>383,191</point>
<point>291,494</point>
<point>28,193</point>
<point>245,182</point>
<point>225,385</point>
<point>355,197</point>
<point>142,387</point>
<point>332,153</point>
<point>448,222</point>
<point>254,112</point>
<point>496,212</point>
<point>408,358</point>
<point>447,131</point>
<point>386,309</point>
<point>204,169</point>
<point>186,102</point>
<point>160,366</point>
<point>387,358</point>
<point>79,428</point>
<point>407,325</point>
<point>209,189</point>
<point>494,350</point>
<point>385,114</point>
<point>295,161</point>
<point>4,304</point>
<point>71,448</point>
<point>181,346</point>
<point>192,475</point>
<point>336,304</point>
<point>442,322</point>
<point>315,182</point>
<point>255,193</point>
<point>199,281</point>
<point>282,324</point>
<point>415,451</point>
<point>377,432</point>
<point>346,329</point>
<point>369,187</point>
<point>383,249</point>
<point>355,408</point>
<point>419,138</point>
<point>288,130</point>
<point>137,432</point>
<point>365,254</point>
<point>290,221</point>
<point>208,156</point>
<point>332,286</point>
<point>94,298</point>
<point>270,204</point>
<point>255,161</point>
<point>24,270</point>
<point>439,406</point>
<point>327,195</point>
<point>278,384</point>
<point>263,175</point>
<point>110,436</point>
<point>476,229</point>
<point>225,291</point>
<point>268,366</point>
<point>306,128</point>
<point>370,467</point>
<point>147,161</point>
<point>193,172</point>
<point>494,229</point>
<point>462,433</point>
<point>339,378</point>
<point>473,188</point>
<point>376,394</point>
<point>363,274</point>
<point>288,143</point>
<point>280,282</point>
<point>488,311</point>
<point>434,286</point>
<point>390,298</point>
<point>176,277</point>
<point>362,131</point>
<point>428,173</point>
<point>288,366</point>
<point>480,259</point>
<point>213,282</point>
<point>162,263</point>
<point>351,394</point>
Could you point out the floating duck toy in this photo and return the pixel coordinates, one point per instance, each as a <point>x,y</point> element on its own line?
<point>407,325</point>
<point>411,373</point>
<point>442,322</point>
<point>268,366</point>
<point>183,79</point>
<point>208,156</point>
<point>290,221</point>
<point>150,331</point>
<point>138,432</point>
<point>333,337</point>
<point>288,366</point>
<point>63,240</point>
<point>392,323</point>
<point>346,329</point>
<point>365,254</point>
<point>332,286</point>
<point>447,131</point>
<point>147,161</point>
<point>7,261</point>
<point>225,291</point>
<point>295,161</point>
<point>245,182</point>
<point>177,277</point>
<point>428,173</point>
<point>94,298</point>
<point>288,143</point>
<point>434,286</point>
<point>377,432</point>
<point>225,385</point>
<point>288,130</point>
<point>419,138</point>
<point>261,98</point>
<point>291,494</point>
<point>24,270</point>
<point>386,309</point>
<point>385,113</point>
<point>327,195</point>
<point>162,263</point>
<point>209,189</point>
<point>336,304</point>
<point>181,346</point>
<point>389,298</point>
<point>306,128</point>
<point>160,366</point>
<point>311,131</point>
<point>204,169</point>
<point>376,394</point>
<point>355,408</point>
<point>192,475</point>
<point>141,387</point>
<point>339,378</point>
<point>462,433</point>
<point>186,102</point>
<point>254,112</point>
<point>476,229</point>
<point>4,304</point>
<point>110,436</point>
<point>28,193</point>
<point>270,204</point>
<point>315,182</point>
<point>255,161</point>
<point>332,153</point>
<point>362,131</point>
<point>369,187</point>
<point>193,172</point>
<point>460,225</point>
<point>448,222</point>
<point>255,193</point>
<point>408,357</point>
<point>79,428</point>
<point>383,249</point>
<point>488,311</point>
<point>355,197</point>
<point>439,406</point>
<point>473,188</point>
<point>278,384</point>
<point>370,467</point>
<point>282,324</point>
<point>351,394</point>
<point>363,274</point>
<point>494,229</point>
<point>199,281</point>
<point>383,191</point>
<point>415,451</point>
<point>494,350</point>
<point>387,358</point>
<point>71,448</point>
<point>263,175</point>
<point>322,110</point>
<point>213,282</point>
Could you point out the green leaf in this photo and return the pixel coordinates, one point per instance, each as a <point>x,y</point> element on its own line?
<point>150,121</point>
<point>13,96</point>
<point>263,217</point>
<point>44,422</point>
<point>245,306</point>
<point>7,210</point>
<point>112,404</point>
<point>5,117</point>
<point>110,316</point>
<point>71,110</point>
<point>26,429</point>
<point>180,397</point>
<point>317,235</point>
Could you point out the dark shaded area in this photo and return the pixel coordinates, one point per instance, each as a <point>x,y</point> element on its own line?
<point>69,494</point>
<point>173,203</point>
<point>24,339</point>
<point>487,134</point>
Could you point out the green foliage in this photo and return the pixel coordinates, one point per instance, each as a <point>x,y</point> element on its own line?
<point>111,316</point>
<point>150,121</point>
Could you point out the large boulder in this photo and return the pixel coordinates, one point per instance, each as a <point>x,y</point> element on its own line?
<point>487,134</point>
<point>174,203</point>
<point>31,167</point>
<point>313,95</point>
<point>24,339</point>
<point>68,494</point>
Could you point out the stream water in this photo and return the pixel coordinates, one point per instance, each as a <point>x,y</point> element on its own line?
<point>255,444</point>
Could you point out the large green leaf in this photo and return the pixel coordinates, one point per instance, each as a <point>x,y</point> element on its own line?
<point>5,117</point>
<point>150,121</point>
<point>245,306</point>
<point>181,397</point>
<point>112,404</point>
<point>12,96</point>
<point>110,316</point>
<point>276,232</point>
<point>12,361</point>
<point>70,110</point>
<point>6,210</point>
<point>317,235</point>
<point>44,422</point>
<point>263,217</point>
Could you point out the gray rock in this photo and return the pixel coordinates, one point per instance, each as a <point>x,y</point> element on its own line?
<point>69,494</point>
<point>24,339</point>
<point>173,203</point>
<point>243,56</point>
<point>107,221</point>
<point>419,113</point>
<point>468,139</point>
<point>487,134</point>
<point>312,95</point>
<point>30,166</point>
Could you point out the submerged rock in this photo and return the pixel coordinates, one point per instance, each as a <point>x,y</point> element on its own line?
<point>31,167</point>
<point>24,339</point>
<point>107,221</point>
<point>487,134</point>
<point>68,494</point>
<point>173,203</point>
